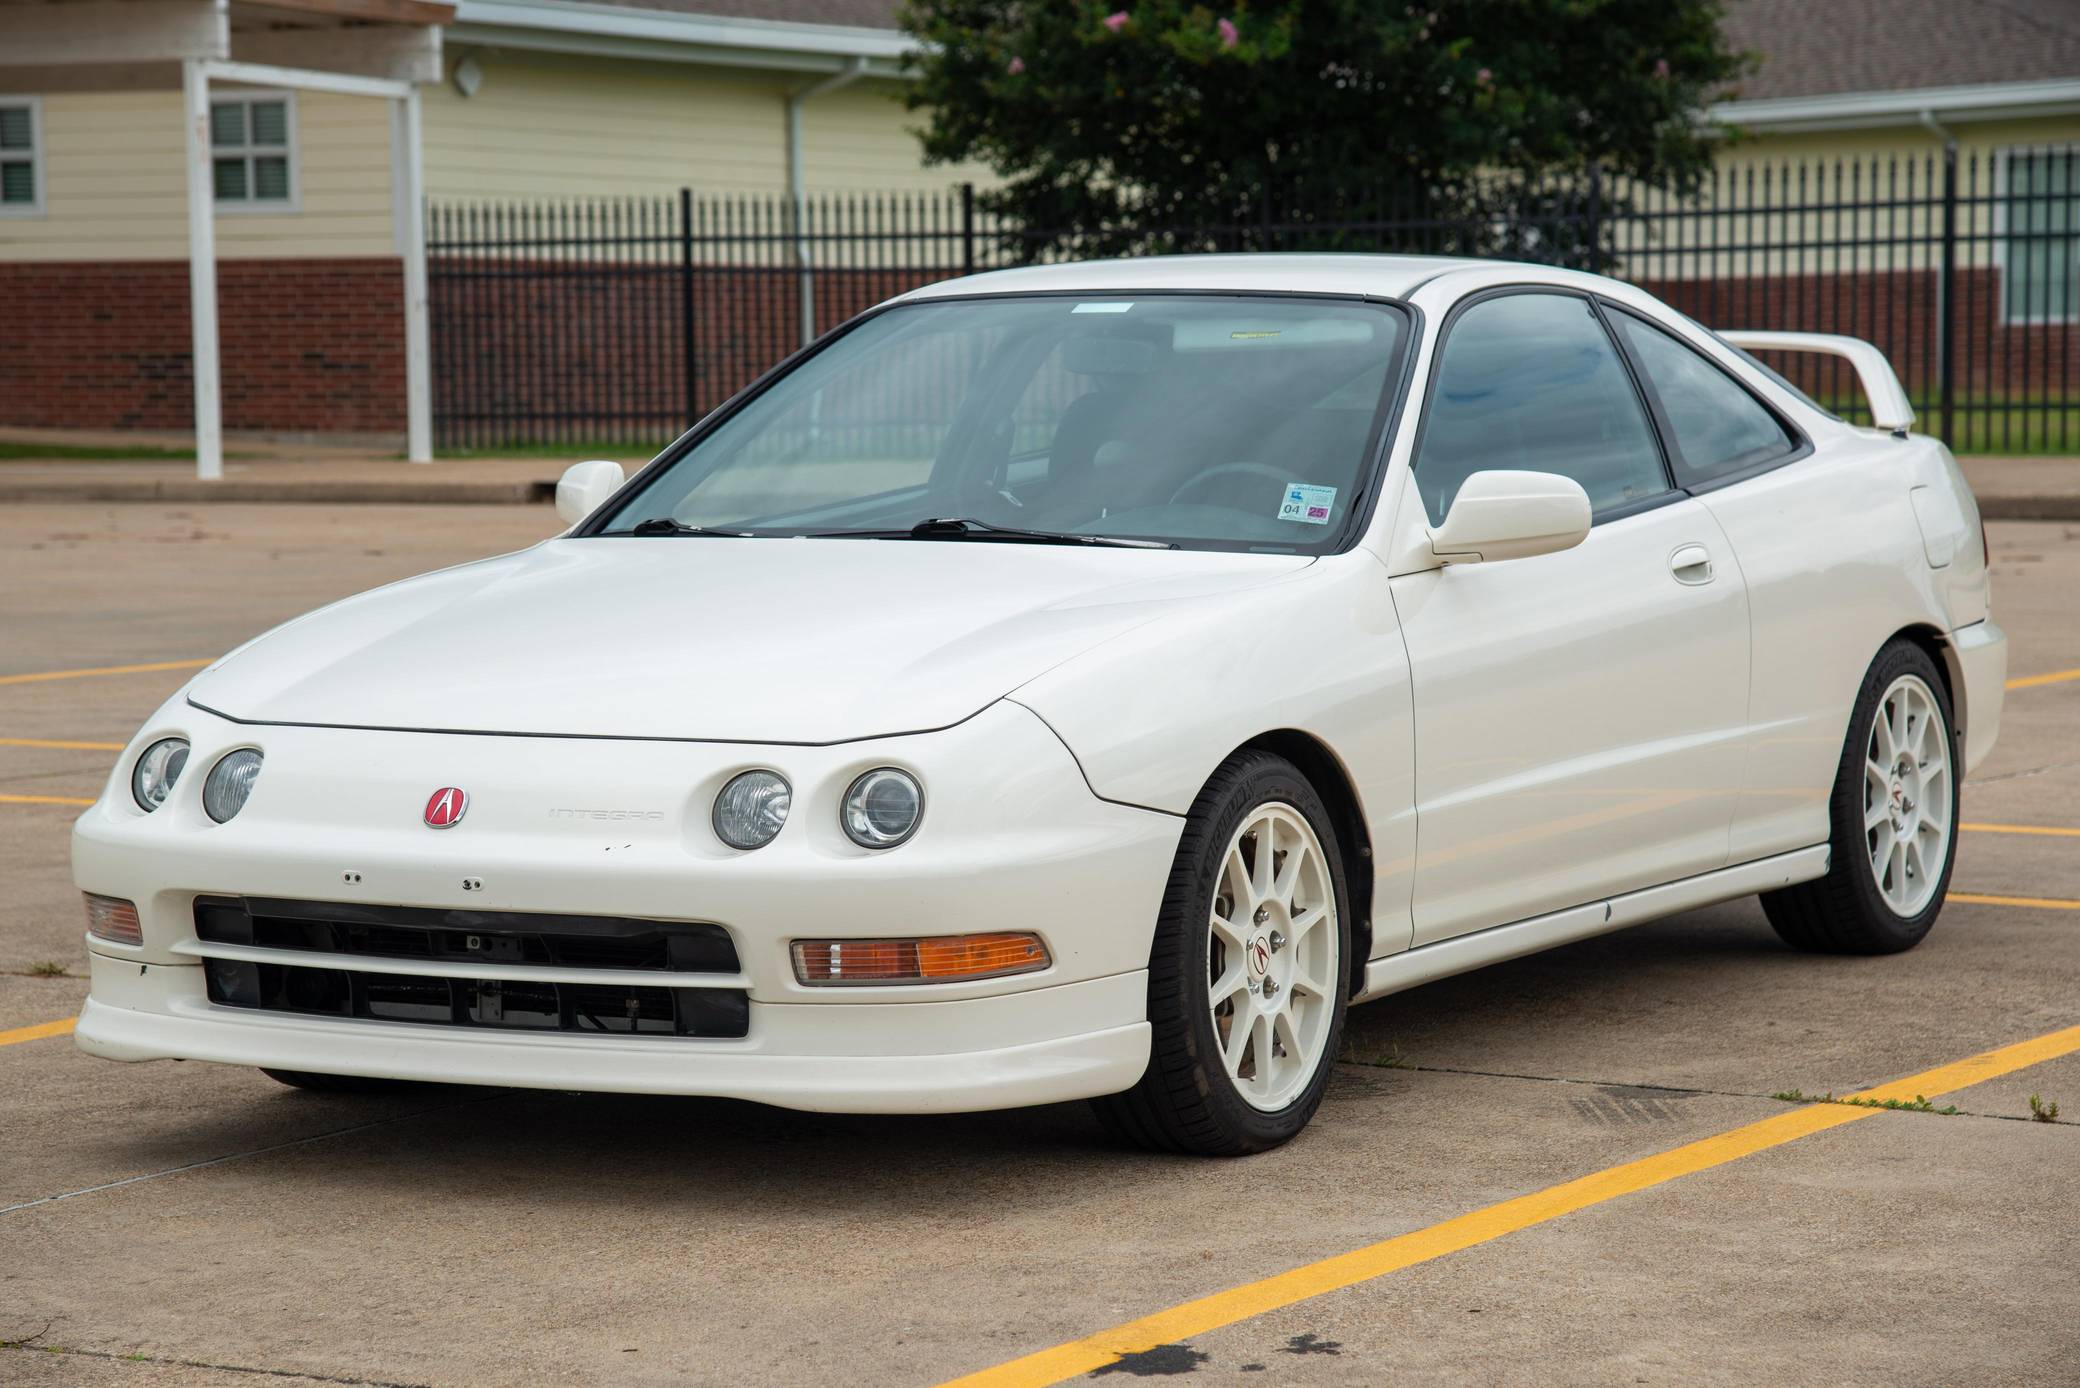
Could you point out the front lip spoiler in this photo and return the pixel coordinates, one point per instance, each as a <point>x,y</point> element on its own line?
<point>195,703</point>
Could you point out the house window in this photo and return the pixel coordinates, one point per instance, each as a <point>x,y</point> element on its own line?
<point>253,163</point>
<point>2041,252</point>
<point>21,157</point>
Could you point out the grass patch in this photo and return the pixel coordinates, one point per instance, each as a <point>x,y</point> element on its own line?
<point>1999,424</point>
<point>47,968</point>
<point>12,451</point>
<point>2041,1111</point>
<point>620,450</point>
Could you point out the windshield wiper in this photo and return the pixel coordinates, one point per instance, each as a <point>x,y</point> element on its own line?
<point>968,528</point>
<point>665,525</point>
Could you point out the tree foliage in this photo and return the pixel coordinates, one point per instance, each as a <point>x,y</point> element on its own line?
<point>1105,121</point>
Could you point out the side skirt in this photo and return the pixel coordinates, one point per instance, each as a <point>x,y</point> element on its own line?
<point>1414,967</point>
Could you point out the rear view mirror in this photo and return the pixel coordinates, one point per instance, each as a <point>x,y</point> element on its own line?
<point>584,486</point>
<point>1512,515</point>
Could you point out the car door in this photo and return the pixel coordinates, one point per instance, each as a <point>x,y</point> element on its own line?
<point>1812,584</point>
<point>1579,715</point>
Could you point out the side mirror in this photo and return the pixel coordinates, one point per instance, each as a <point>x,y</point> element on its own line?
<point>1512,515</point>
<point>584,486</point>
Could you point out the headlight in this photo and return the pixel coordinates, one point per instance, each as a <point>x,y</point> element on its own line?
<point>156,771</point>
<point>230,782</point>
<point>882,808</point>
<point>751,809</point>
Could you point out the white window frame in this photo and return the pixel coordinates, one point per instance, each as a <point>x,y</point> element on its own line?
<point>2002,157</point>
<point>250,206</point>
<point>39,164</point>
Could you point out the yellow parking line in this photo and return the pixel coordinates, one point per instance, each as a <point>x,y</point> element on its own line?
<point>104,670</point>
<point>36,1033</point>
<point>1480,1226</point>
<point>2055,677</point>
<point>2048,903</point>
<point>43,800</point>
<point>61,744</point>
<point>2046,829</point>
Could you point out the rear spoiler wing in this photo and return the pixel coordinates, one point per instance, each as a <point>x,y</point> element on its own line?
<point>1889,407</point>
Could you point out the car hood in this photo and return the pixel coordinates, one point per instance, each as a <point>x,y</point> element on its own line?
<point>765,640</point>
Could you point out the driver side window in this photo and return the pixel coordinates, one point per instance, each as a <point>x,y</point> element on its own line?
<point>1533,382</point>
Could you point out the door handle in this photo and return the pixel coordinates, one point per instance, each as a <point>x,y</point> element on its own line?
<point>1691,564</point>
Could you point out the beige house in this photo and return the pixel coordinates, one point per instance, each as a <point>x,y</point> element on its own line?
<point>272,159</point>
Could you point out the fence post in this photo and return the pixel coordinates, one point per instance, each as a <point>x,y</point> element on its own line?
<point>1593,223</point>
<point>967,228</point>
<point>686,300</point>
<point>1946,292</point>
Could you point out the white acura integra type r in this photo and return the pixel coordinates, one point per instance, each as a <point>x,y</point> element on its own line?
<point>1079,682</point>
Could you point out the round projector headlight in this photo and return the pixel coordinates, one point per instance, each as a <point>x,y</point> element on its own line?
<point>230,782</point>
<point>882,808</point>
<point>751,809</point>
<point>156,771</point>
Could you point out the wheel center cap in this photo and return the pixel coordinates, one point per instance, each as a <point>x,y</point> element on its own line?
<point>1258,952</point>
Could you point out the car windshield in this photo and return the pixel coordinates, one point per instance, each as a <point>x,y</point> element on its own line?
<point>1196,420</point>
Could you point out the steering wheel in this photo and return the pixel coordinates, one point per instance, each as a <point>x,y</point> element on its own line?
<point>1213,474</point>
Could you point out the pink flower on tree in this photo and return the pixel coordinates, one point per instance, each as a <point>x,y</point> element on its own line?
<point>1661,68</point>
<point>1229,35</point>
<point>1116,21</point>
<point>1015,66</point>
<point>1484,77</point>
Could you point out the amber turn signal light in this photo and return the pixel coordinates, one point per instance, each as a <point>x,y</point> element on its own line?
<point>929,959</point>
<point>113,919</point>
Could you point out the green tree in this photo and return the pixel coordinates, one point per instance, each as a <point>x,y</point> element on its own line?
<point>1109,120</point>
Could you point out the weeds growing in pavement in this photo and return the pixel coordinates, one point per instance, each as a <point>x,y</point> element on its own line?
<point>2041,1111</point>
<point>1918,1104</point>
<point>47,968</point>
<point>1392,1060</point>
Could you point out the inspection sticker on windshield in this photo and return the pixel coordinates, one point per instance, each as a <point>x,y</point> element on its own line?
<point>1309,505</point>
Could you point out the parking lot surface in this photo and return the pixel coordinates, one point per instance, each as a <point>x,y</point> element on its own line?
<point>1577,1168</point>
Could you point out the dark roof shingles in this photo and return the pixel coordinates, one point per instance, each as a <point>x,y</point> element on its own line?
<point>1807,47</point>
<point>1824,47</point>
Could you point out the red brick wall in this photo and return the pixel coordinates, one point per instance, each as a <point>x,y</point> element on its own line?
<point>595,350</point>
<point>305,345</point>
<point>1898,311</point>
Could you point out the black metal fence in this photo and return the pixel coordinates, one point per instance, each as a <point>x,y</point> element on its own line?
<point>620,321</point>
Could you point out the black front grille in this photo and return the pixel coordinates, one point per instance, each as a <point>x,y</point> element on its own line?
<point>509,937</point>
<point>569,942</point>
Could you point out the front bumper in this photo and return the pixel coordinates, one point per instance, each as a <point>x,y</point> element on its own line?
<point>1013,839</point>
<point>1072,1041</point>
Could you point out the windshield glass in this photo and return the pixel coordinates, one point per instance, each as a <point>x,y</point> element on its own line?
<point>1207,421</point>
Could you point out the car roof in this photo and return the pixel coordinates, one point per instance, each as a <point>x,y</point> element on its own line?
<point>1388,276</point>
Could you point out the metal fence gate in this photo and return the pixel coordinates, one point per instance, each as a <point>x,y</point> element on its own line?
<point>617,322</point>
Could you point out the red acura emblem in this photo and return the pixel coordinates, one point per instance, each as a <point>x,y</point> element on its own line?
<point>446,807</point>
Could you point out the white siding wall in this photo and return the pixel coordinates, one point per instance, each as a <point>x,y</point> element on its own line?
<point>540,127</point>
<point>543,127</point>
<point>113,171</point>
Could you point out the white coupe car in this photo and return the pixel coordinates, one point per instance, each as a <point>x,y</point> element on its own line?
<point>1079,682</point>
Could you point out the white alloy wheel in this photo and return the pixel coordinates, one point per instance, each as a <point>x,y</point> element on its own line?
<point>1907,793</point>
<point>1272,957</point>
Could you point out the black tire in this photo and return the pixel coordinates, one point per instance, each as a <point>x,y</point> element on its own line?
<point>334,1084</point>
<point>1185,1101</point>
<point>1845,912</point>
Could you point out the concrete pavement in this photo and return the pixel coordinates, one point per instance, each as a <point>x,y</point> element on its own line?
<point>216,1225</point>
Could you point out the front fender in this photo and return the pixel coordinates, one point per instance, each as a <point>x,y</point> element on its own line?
<point>1150,716</point>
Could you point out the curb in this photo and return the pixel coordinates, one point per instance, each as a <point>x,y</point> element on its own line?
<point>187,490</point>
<point>2044,508</point>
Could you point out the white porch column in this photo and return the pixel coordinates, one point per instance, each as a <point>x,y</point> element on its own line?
<point>408,190</point>
<point>202,273</point>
